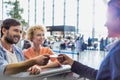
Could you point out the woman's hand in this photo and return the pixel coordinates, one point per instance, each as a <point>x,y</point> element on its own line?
<point>64,59</point>
<point>34,70</point>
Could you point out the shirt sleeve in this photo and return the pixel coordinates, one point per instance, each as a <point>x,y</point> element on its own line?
<point>3,64</point>
<point>84,70</point>
<point>25,53</point>
<point>50,51</point>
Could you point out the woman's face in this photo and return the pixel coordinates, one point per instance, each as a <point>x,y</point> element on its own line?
<point>38,37</point>
<point>113,23</point>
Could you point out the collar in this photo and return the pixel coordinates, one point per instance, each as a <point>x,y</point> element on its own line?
<point>111,45</point>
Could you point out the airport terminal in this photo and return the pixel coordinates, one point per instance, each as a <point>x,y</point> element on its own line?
<point>75,28</point>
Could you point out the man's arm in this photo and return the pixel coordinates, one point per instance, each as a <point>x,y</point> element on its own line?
<point>18,67</point>
<point>22,66</point>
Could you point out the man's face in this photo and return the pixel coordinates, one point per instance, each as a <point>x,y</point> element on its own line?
<point>113,23</point>
<point>12,36</point>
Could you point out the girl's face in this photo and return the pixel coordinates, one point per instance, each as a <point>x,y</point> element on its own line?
<point>38,37</point>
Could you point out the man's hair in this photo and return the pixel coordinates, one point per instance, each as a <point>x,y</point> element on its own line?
<point>7,23</point>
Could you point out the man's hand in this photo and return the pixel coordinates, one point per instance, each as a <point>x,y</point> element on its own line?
<point>42,59</point>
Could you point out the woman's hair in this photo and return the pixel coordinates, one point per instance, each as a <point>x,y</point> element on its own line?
<point>116,5</point>
<point>32,29</point>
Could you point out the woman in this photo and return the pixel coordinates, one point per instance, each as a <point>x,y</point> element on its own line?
<point>110,67</point>
<point>36,34</point>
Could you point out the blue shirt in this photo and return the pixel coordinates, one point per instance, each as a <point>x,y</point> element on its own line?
<point>4,59</point>
<point>110,67</point>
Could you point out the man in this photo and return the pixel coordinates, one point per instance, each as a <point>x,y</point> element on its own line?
<point>110,67</point>
<point>11,57</point>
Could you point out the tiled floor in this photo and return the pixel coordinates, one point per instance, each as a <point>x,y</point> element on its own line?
<point>91,58</point>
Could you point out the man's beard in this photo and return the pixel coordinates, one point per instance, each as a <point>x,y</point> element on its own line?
<point>9,39</point>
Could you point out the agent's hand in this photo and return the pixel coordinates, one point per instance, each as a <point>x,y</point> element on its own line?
<point>64,59</point>
<point>42,59</point>
<point>34,70</point>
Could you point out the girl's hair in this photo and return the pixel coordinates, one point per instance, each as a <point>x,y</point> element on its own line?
<point>32,29</point>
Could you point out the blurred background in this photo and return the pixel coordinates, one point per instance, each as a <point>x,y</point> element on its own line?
<point>74,27</point>
<point>86,16</point>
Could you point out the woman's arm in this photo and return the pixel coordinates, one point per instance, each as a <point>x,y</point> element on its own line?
<point>84,70</point>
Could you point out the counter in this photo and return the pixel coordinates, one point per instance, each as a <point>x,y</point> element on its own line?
<point>42,76</point>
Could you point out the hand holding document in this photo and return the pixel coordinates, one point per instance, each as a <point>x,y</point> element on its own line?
<point>59,58</point>
<point>64,59</point>
<point>53,57</point>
